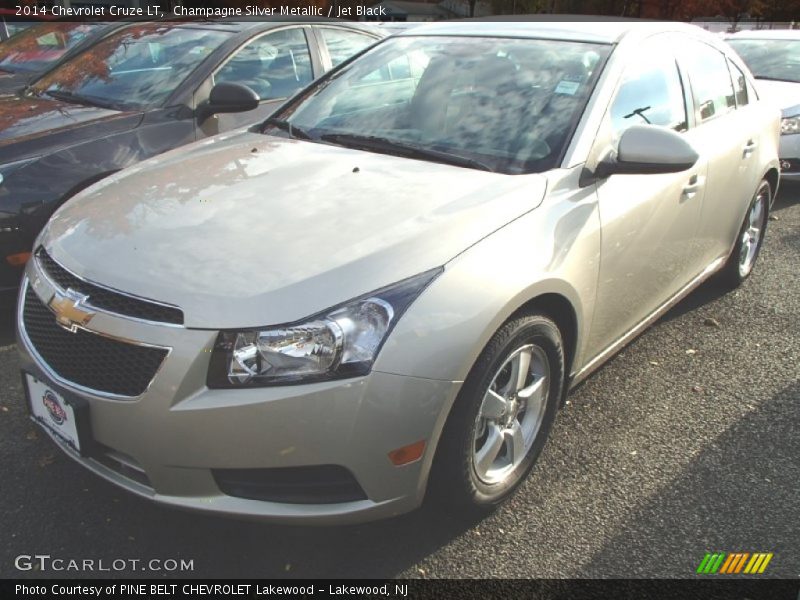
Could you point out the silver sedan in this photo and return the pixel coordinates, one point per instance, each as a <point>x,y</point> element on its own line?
<point>388,288</point>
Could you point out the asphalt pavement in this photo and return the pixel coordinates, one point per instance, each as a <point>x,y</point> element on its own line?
<point>687,442</point>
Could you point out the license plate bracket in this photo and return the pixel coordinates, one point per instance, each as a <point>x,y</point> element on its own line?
<point>59,412</point>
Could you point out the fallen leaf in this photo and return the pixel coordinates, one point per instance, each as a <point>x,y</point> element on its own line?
<point>47,459</point>
<point>697,389</point>
<point>711,322</point>
<point>774,218</point>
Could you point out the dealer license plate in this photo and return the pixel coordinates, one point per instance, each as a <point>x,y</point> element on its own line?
<point>52,411</point>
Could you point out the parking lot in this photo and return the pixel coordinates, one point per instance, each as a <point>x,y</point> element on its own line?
<point>686,442</point>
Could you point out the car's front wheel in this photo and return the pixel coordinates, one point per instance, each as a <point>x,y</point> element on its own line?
<point>502,416</point>
<point>750,239</point>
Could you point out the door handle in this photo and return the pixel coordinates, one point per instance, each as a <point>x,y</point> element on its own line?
<point>749,147</point>
<point>695,183</point>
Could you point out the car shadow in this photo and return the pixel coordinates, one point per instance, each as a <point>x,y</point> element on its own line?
<point>244,549</point>
<point>788,195</point>
<point>8,305</point>
<point>737,483</point>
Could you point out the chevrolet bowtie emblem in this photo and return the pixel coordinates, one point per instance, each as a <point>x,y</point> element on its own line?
<point>69,309</point>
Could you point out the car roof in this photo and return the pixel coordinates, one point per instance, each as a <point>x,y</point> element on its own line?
<point>766,34</point>
<point>556,27</point>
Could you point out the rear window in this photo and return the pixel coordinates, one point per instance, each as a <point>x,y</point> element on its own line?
<point>770,59</point>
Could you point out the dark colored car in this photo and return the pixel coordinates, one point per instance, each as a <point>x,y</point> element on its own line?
<point>146,89</point>
<point>34,51</point>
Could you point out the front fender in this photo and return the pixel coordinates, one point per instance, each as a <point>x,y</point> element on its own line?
<point>554,249</point>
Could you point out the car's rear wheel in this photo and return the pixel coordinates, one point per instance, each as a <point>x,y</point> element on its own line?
<point>750,239</point>
<point>502,416</point>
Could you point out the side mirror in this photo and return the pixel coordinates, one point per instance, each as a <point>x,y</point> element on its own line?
<point>648,149</point>
<point>228,97</point>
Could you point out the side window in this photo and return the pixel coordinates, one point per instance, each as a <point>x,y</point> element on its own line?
<point>407,66</point>
<point>343,43</point>
<point>274,65</point>
<point>739,85</point>
<point>393,83</point>
<point>651,93</point>
<point>711,81</point>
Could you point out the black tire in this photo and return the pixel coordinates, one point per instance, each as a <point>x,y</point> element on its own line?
<point>733,274</point>
<point>454,480</point>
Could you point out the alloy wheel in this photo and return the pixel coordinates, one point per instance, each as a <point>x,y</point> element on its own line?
<point>511,414</point>
<point>753,232</point>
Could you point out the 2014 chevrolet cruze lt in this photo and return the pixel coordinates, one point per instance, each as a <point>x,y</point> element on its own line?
<point>389,286</point>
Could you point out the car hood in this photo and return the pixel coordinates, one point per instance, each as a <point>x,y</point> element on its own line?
<point>249,230</point>
<point>31,126</point>
<point>784,94</point>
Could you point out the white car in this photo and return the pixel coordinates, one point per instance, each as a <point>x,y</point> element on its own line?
<point>774,58</point>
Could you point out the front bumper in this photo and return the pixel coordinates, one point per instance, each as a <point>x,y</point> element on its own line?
<point>174,435</point>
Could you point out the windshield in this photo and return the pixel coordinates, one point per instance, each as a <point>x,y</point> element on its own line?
<point>505,105</point>
<point>771,59</point>
<point>136,68</point>
<point>41,45</point>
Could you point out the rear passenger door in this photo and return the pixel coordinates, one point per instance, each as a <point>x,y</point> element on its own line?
<point>727,135</point>
<point>275,65</point>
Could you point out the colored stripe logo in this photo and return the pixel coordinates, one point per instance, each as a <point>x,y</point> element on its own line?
<point>734,563</point>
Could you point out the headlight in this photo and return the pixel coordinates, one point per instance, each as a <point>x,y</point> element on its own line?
<point>8,168</point>
<point>790,125</point>
<point>339,342</point>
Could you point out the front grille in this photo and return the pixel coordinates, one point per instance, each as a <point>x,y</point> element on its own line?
<point>87,359</point>
<point>322,484</point>
<point>109,300</point>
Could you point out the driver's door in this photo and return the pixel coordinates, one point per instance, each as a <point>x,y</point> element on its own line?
<point>649,222</point>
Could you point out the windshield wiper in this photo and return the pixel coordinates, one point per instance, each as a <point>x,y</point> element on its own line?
<point>408,150</point>
<point>293,130</point>
<point>76,99</point>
